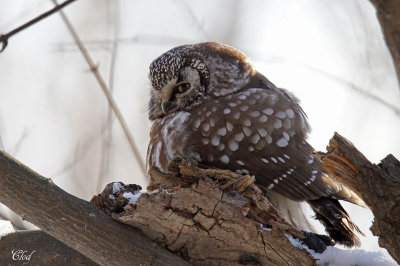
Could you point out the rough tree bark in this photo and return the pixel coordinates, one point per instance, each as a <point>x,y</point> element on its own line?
<point>75,222</point>
<point>378,185</point>
<point>388,13</point>
<point>208,223</point>
<point>216,226</point>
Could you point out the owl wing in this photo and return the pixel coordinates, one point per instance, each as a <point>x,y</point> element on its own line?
<point>262,132</point>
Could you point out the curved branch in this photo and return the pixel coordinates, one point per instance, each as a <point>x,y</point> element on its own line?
<point>75,222</point>
<point>4,37</point>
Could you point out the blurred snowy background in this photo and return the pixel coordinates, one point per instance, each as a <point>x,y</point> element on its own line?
<point>55,119</point>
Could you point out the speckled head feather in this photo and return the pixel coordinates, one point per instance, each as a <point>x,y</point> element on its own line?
<point>214,61</point>
<point>165,67</point>
<point>212,70</point>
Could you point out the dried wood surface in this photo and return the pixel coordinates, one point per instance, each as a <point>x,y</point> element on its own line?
<point>209,223</point>
<point>378,185</point>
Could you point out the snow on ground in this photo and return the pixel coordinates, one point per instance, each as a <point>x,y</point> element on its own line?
<point>335,256</point>
<point>5,228</point>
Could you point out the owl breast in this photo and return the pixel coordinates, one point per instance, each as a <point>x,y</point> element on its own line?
<point>169,139</point>
<point>255,131</point>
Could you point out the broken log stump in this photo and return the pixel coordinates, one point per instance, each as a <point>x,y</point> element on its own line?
<point>378,185</point>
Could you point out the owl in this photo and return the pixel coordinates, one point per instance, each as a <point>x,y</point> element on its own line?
<point>211,107</point>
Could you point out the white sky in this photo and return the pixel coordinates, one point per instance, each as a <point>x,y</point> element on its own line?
<point>53,115</point>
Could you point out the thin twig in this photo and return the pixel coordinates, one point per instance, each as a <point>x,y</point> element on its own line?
<point>83,152</point>
<point>105,153</point>
<point>1,141</point>
<point>145,39</point>
<point>4,37</point>
<point>20,141</point>
<point>199,25</point>
<point>355,88</point>
<point>111,101</point>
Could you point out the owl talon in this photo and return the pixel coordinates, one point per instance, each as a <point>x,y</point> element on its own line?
<point>316,242</point>
<point>188,163</point>
<point>239,184</point>
<point>173,166</point>
<point>178,163</point>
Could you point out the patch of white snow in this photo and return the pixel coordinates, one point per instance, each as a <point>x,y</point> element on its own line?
<point>5,228</point>
<point>334,256</point>
<point>117,186</point>
<point>132,197</point>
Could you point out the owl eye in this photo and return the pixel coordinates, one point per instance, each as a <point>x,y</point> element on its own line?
<point>181,88</point>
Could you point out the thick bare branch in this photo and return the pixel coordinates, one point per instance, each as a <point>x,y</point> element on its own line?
<point>75,222</point>
<point>41,248</point>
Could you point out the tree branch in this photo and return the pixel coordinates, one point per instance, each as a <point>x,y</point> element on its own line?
<point>388,13</point>
<point>45,250</point>
<point>4,37</point>
<point>106,91</point>
<point>75,222</point>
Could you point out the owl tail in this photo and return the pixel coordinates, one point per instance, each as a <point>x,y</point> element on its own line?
<point>337,222</point>
<point>343,192</point>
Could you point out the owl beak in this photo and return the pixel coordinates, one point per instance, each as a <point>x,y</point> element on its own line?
<point>163,108</point>
<point>166,107</point>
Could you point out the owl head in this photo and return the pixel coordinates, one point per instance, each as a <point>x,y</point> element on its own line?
<point>185,76</point>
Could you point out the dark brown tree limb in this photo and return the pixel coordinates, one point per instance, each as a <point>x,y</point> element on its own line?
<point>42,248</point>
<point>75,222</point>
<point>388,13</point>
<point>378,185</point>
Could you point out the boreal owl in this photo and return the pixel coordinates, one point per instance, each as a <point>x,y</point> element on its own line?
<point>210,106</point>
